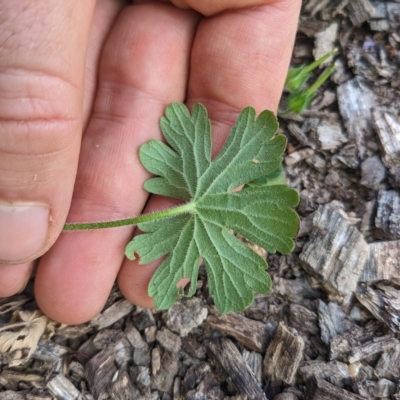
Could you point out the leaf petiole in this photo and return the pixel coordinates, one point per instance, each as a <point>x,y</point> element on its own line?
<point>183,209</point>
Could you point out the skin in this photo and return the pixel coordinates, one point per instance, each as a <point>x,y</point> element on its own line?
<point>109,69</point>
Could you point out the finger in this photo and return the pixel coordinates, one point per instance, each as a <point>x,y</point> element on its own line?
<point>212,7</point>
<point>104,16</point>
<point>239,58</point>
<point>14,278</point>
<point>144,66</point>
<point>42,60</point>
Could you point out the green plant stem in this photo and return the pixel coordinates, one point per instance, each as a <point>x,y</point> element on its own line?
<point>185,208</point>
<point>320,60</point>
<point>321,80</point>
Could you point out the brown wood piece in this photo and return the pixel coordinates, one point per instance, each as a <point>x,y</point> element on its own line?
<point>283,355</point>
<point>319,389</point>
<point>225,353</point>
<point>253,334</point>
<point>336,251</point>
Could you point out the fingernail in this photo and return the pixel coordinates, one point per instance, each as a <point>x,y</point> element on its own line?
<point>24,230</point>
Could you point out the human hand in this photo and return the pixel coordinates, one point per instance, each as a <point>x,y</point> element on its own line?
<point>140,58</point>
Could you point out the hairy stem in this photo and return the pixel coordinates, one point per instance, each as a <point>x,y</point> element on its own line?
<point>185,208</point>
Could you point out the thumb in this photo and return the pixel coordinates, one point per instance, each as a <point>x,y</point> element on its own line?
<point>42,64</point>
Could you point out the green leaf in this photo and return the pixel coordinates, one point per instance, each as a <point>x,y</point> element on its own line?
<point>205,231</point>
<point>276,177</point>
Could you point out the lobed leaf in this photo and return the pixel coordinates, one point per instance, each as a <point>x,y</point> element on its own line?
<point>262,212</point>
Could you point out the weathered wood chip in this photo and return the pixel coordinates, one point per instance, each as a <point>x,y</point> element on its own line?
<point>254,360</point>
<point>319,389</point>
<point>330,136</point>
<point>303,319</point>
<point>150,334</point>
<point>11,395</point>
<point>388,130</point>
<point>225,353</point>
<point>141,350</point>
<point>325,41</point>
<point>388,213</point>
<point>356,101</point>
<point>100,370</point>
<point>176,391</point>
<point>15,376</point>
<point>102,367</point>
<point>192,347</point>
<point>310,26</point>
<point>195,374</point>
<point>335,371</point>
<point>143,318</point>
<point>383,301</point>
<point>393,11</point>
<point>373,172</point>
<point>163,378</point>
<point>252,334</point>
<point>50,351</point>
<point>200,383</point>
<point>141,376</point>
<point>379,25</point>
<point>293,289</point>
<point>384,388</point>
<point>336,252</point>
<point>105,338</point>
<point>341,345</point>
<point>122,387</point>
<point>283,355</point>
<point>186,315</point>
<point>170,341</point>
<point>62,388</point>
<point>300,135</point>
<point>285,396</point>
<point>383,262</point>
<point>360,11</point>
<point>112,314</point>
<point>315,6</point>
<point>389,364</point>
<point>297,156</point>
<point>374,346</point>
<point>332,321</point>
